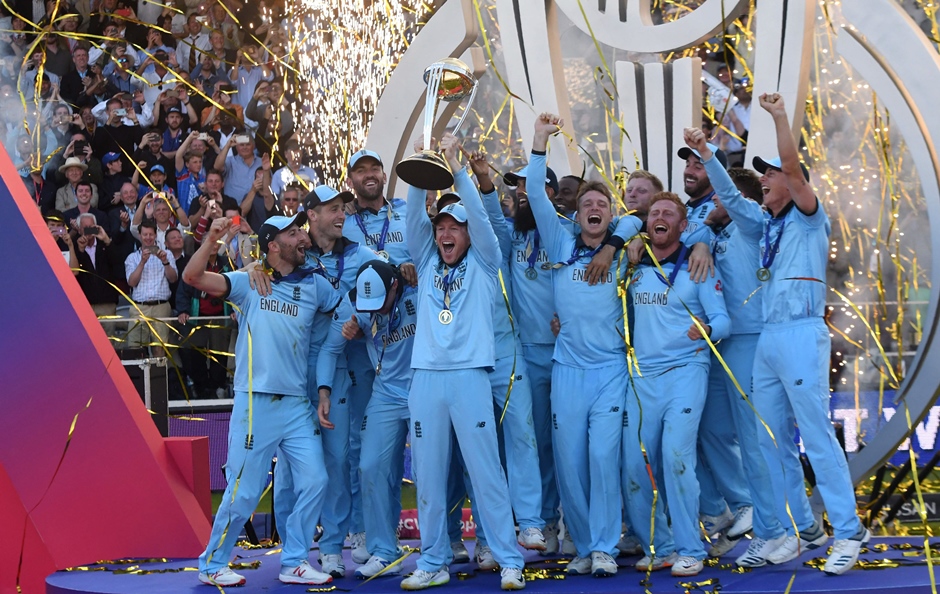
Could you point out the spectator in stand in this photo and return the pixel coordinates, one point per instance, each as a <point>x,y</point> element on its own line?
<point>120,77</point>
<point>239,170</point>
<point>155,73</point>
<point>95,87</point>
<point>206,146</point>
<point>271,111</point>
<point>190,48</point>
<point>80,149</point>
<point>29,71</point>
<point>239,244</point>
<point>64,124</point>
<point>67,196</point>
<point>247,73</point>
<point>222,25</point>
<point>165,212</point>
<point>58,55</point>
<point>206,74</point>
<point>114,179</point>
<point>732,137</point>
<point>151,153</point>
<point>55,222</point>
<point>100,18</point>
<point>175,133</point>
<point>293,170</point>
<point>149,272</point>
<point>189,172</point>
<point>222,115</point>
<point>261,204</point>
<point>213,189</point>
<point>174,247</point>
<point>83,197</point>
<point>122,240</point>
<point>290,201</point>
<point>72,84</point>
<point>117,135</point>
<point>202,356</point>
<point>155,183</point>
<point>88,122</point>
<point>97,264</point>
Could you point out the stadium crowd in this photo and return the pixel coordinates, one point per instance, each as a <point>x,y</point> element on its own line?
<point>164,163</point>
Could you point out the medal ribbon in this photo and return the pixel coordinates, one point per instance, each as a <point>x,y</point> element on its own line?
<point>391,326</point>
<point>380,246</point>
<point>675,271</point>
<point>533,250</point>
<point>767,259</point>
<point>448,277</point>
<point>577,256</point>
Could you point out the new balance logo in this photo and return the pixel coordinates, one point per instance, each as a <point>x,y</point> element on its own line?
<point>615,409</point>
<point>342,401</point>
<point>316,431</point>
<point>686,411</point>
<point>798,382</point>
<point>481,424</point>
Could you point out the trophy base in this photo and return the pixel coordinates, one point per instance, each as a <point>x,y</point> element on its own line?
<point>426,170</point>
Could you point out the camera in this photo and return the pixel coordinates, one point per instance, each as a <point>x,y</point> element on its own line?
<point>203,136</point>
<point>79,147</point>
<point>242,139</point>
<point>90,231</point>
<point>120,112</point>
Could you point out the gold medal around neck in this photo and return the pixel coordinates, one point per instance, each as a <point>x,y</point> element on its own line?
<point>763,274</point>
<point>382,254</point>
<point>445,317</point>
<point>531,273</point>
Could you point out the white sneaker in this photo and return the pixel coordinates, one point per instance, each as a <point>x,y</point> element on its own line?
<point>304,574</point>
<point>721,545</point>
<point>461,554</point>
<point>333,565</point>
<point>375,565</point>
<point>659,563</point>
<point>485,560</point>
<point>602,564</point>
<point>743,522</point>
<point>845,553</point>
<point>793,547</point>
<point>712,525</point>
<point>511,579</point>
<point>532,539</point>
<point>579,566</point>
<point>357,542</point>
<point>567,546</point>
<point>223,577</point>
<point>550,532</point>
<point>629,545</point>
<point>422,580</point>
<point>757,552</point>
<point>686,566</point>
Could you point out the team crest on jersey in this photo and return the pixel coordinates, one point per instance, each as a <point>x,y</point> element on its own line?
<point>718,286</point>
<point>410,307</point>
<point>637,276</point>
<point>296,295</point>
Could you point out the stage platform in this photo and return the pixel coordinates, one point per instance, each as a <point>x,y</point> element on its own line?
<point>889,565</point>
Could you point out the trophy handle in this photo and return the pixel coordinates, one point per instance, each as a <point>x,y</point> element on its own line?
<point>431,101</point>
<point>466,109</point>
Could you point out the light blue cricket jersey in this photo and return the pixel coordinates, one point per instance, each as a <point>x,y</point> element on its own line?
<point>389,340</point>
<point>592,317</point>
<point>506,331</point>
<point>735,256</point>
<point>366,228</point>
<point>467,342</point>
<point>696,213</point>
<point>532,300</point>
<point>661,320</point>
<point>277,328</point>
<point>340,267</point>
<point>797,286</point>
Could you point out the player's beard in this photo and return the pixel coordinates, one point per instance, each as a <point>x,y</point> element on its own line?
<point>524,220</point>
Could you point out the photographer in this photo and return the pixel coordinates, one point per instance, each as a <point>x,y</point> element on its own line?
<point>117,135</point>
<point>97,265</point>
<point>160,209</point>
<point>55,222</point>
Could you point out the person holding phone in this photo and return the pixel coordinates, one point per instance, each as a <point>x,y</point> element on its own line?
<point>96,261</point>
<point>239,169</point>
<point>149,273</point>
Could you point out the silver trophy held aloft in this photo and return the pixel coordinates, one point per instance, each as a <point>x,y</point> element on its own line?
<point>447,80</point>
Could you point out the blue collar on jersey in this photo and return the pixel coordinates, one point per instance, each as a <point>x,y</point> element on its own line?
<point>692,204</point>
<point>783,211</point>
<point>341,247</point>
<point>672,258</point>
<point>362,210</point>
<point>297,274</point>
<point>579,243</point>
